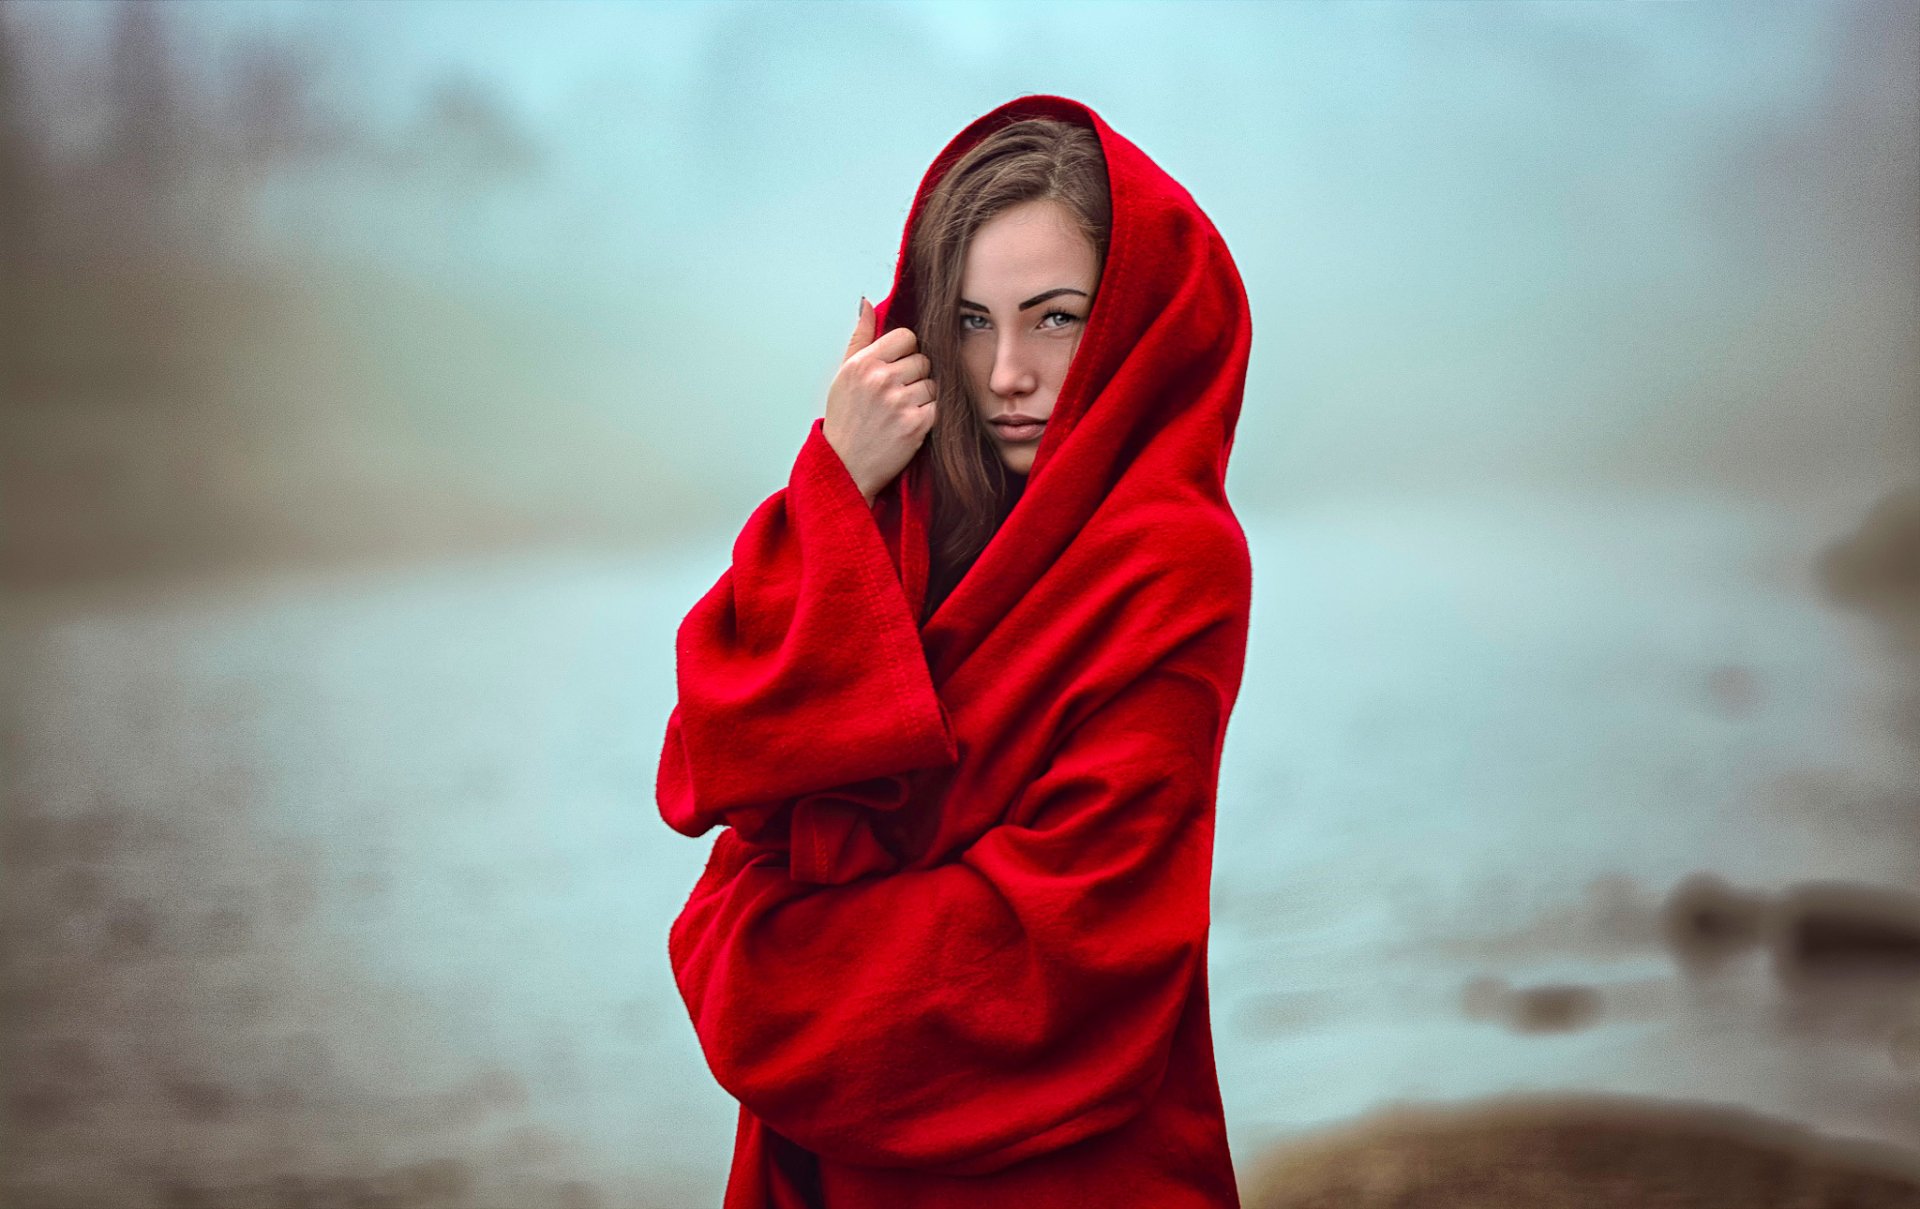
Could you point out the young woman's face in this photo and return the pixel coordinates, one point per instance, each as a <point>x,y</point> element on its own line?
<point>1025,292</point>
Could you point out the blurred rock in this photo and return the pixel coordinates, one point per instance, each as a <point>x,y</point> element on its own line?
<point>1547,1008</point>
<point>1878,565</point>
<point>1706,921</point>
<point>1555,1008</point>
<point>1577,1153</point>
<point>1838,930</point>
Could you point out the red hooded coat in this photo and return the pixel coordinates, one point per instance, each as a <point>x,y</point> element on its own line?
<point>950,947</point>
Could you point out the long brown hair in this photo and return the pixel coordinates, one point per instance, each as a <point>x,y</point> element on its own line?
<point>1028,160</point>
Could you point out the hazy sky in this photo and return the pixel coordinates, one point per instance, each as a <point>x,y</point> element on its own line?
<point>1536,242</point>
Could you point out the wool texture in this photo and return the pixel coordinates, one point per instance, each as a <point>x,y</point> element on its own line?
<point>950,945</point>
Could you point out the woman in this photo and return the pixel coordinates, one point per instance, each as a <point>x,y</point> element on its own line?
<point>1022,221</point>
<point>958,708</point>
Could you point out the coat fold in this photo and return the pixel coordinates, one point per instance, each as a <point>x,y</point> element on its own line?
<point>769,736</point>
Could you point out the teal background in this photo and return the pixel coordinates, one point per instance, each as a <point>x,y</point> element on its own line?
<point>381,382</point>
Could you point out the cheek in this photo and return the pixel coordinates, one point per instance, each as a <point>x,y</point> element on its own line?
<point>976,361</point>
<point>1062,358</point>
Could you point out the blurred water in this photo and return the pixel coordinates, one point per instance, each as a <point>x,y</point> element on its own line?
<point>361,874</point>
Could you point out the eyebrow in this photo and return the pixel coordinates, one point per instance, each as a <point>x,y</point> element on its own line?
<point>1034,301</point>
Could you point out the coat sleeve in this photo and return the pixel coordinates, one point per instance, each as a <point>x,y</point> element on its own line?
<point>1024,997</point>
<point>801,669</point>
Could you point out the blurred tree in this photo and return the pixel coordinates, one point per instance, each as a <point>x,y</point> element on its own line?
<point>272,98</point>
<point>146,148</point>
<point>21,167</point>
<point>19,158</point>
<point>272,117</point>
<point>466,142</point>
<point>467,133</point>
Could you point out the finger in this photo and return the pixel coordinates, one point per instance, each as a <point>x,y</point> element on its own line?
<point>898,343</point>
<point>862,329</point>
<point>912,368</point>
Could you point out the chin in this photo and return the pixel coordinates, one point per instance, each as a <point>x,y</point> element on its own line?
<point>1018,461</point>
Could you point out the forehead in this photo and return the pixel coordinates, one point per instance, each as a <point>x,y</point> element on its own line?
<point>1024,249</point>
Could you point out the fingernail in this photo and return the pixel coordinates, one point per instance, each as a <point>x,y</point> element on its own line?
<point>863,306</point>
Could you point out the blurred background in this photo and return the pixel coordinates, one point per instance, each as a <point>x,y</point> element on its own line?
<point>381,382</point>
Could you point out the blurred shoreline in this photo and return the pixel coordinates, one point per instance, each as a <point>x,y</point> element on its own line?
<point>167,424</point>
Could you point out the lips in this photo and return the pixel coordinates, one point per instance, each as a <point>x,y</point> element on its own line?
<point>1018,427</point>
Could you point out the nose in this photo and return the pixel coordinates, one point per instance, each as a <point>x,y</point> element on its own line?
<point>1013,374</point>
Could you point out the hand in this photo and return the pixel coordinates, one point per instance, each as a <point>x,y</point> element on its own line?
<point>880,406</point>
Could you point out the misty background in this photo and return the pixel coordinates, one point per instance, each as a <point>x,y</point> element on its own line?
<point>381,382</point>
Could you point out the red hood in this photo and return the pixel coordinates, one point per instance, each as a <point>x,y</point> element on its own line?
<point>1145,419</point>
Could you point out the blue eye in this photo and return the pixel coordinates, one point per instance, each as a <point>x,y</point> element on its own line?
<point>967,321</point>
